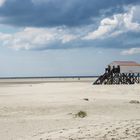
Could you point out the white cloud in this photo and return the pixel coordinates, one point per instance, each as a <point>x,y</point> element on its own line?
<point>2,2</point>
<point>114,26</point>
<point>131,51</point>
<point>38,38</point>
<point>67,38</point>
<point>32,38</point>
<point>4,36</point>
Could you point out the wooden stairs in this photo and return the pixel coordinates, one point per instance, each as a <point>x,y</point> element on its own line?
<point>115,77</point>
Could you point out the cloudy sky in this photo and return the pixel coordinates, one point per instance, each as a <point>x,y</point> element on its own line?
<point>67,37</point>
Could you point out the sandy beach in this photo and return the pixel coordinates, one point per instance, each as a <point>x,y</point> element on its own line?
<point>46,111</point>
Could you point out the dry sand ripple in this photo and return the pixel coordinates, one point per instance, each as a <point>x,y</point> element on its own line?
<point>46,111</point>
<point>119,130</point>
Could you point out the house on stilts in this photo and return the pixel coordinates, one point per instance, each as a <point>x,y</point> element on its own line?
<point>120,72</point>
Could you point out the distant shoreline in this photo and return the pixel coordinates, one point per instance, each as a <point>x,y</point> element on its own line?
<point>49,77</point>
<point>38,80</point>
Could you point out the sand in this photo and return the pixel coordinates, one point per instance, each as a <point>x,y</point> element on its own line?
<point>46,111</point>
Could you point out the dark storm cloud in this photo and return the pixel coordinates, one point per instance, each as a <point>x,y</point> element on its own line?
<point>58,12</point>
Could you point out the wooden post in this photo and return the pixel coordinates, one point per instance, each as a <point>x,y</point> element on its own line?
<point>113,76</point>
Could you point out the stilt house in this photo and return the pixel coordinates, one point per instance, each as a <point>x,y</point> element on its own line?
<point>120,72</point>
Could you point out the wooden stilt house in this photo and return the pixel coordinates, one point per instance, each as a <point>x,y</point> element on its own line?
<point>120,72</point>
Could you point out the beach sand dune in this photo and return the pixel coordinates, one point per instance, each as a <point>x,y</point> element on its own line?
<point>46,111</point>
